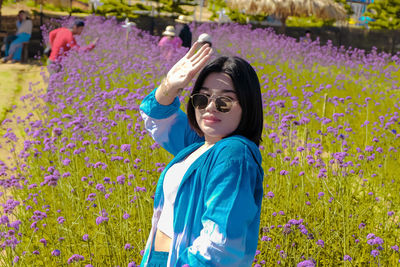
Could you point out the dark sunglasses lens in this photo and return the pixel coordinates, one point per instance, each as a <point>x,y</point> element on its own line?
<point>223,104</point>
<point>199,101</point>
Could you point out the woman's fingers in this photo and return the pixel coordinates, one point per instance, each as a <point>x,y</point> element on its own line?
<point>186,68</point>
<point>192,50</point>
<point>203,57</point>
<point>199,52</point>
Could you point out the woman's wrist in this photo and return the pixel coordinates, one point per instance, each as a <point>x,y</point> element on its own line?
<point>168,89</point>
<point>165,94</point>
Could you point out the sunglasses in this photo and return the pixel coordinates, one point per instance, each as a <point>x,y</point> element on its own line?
<point>222,103</point>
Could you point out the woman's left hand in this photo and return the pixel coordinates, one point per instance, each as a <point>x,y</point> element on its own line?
<point>182,73</point>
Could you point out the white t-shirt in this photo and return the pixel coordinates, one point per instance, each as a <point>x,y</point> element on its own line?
<point>172,180</point>
<point>25,26</point>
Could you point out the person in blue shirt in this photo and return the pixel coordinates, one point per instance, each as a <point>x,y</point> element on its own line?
<point>13,44</point>
<point>208,199</point>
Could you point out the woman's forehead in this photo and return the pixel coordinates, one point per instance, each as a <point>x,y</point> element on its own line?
<point>217,90</point>
<point>218,81</point>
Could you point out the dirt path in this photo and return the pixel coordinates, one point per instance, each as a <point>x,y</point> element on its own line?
<point>15,80</point>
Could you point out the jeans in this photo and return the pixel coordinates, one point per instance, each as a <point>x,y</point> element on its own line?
<point>7,41</point>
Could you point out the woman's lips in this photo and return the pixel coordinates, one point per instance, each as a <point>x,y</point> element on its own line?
<point>210,119</point>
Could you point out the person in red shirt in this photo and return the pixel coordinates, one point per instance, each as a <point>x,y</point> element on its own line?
<point>62,40</point>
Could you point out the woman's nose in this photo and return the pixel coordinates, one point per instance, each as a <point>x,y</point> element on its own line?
<point>211,106</point>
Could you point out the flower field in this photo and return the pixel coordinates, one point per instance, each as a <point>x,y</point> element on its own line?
<point>79,188</point>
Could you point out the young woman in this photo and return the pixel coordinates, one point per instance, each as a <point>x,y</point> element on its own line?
<point>208,199</point>
<point>14,43</point>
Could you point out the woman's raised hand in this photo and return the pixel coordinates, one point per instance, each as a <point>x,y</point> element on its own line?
<point>182,73</point>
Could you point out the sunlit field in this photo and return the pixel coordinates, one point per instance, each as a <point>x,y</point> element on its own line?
<point>83,176</point>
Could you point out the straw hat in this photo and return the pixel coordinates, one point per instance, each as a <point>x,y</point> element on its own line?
<point>169,31</point>
<point>204,38</point>
<point>182,19</point>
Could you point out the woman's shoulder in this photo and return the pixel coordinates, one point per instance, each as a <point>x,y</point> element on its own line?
<point>237,148</point>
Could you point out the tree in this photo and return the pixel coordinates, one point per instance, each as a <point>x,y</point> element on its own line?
<point>346,6</point>
<point>1,4</point>
<point>385,15</point>
<point>234,15</point>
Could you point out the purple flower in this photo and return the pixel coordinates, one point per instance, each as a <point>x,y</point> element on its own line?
<point>347,258</point>
<point>100,187</point>
<point>75,258</point>
<point>306,263</point>
<point>126,148</point>
<point>266,238</point>
<point>390,213</point>
<point>132,264</point>
<point>4,219</point>
<point>128,246</point>
<point>91,197</point>
<point>43,241</point>
<point>66,161</point>
<point>375,241</point>
<point>60,220</point>
<point>126,216</point>
<point>57,131</point>
<point>121,179</point>
<point>56,252</point>
<point>101,219</point>
<point>395,247</point>
<point>85,237</point>
<point>270,195</point>
<point>370,235</point>
<point>375,253</point>
<point>320,243</point>
<point>283,172</point>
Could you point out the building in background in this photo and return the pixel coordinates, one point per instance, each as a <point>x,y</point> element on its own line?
<point>359,7</point>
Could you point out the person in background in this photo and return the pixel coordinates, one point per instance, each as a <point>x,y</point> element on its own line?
<point>306,38</point>
<point>13,43</point>
<point>205,38</point>
<point>183,31</point>
<point>62,40</point>
<point>169,43</point>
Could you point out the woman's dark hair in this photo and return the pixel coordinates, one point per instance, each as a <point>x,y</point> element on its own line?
<point>24,12</point>
<point>79,23</point>
<point>247,87</point>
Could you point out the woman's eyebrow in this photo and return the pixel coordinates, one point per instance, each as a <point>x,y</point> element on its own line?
<point>224,90</point>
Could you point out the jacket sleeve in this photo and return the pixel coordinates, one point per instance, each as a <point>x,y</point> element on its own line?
<point>167,125</point>
<point>52,36</point>
<point>231,219</point>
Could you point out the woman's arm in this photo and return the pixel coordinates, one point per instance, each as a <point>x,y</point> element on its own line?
<point>167,124</point>
<point>231,219</point>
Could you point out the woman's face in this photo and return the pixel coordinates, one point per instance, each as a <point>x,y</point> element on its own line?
<point>22,16</point>
<point>215,124</point>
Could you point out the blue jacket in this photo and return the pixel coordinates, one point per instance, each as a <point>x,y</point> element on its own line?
<point>218,203</point>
